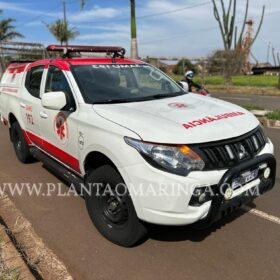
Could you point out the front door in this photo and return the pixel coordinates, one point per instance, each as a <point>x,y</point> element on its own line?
<point>60,127</point>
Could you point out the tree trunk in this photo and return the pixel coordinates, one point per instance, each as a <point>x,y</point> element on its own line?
<point>134,45</point>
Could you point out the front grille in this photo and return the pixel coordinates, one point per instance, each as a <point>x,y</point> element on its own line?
<point>231,152</point>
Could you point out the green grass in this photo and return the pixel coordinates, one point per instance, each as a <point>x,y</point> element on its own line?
<point>5,272</point>
<point>275,115</point>
<point>252,81</point>
<point>252,107</point>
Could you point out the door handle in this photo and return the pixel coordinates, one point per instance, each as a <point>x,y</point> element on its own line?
<point>22,105</point>
<point>43,115</point>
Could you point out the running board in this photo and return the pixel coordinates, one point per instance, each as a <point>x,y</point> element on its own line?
<point>58,169</point>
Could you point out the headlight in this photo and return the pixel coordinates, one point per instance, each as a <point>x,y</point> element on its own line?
<point>178,159</point>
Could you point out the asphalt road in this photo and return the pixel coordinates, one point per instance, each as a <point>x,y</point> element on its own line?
<point>266,102</point>
<point>244,246</point>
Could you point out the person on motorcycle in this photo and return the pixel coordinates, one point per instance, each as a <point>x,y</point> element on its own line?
<point>189,75</point>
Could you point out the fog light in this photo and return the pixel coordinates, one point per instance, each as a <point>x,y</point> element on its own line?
<point>228,194</point>
<point>266,173</point>
<point>200,196</point>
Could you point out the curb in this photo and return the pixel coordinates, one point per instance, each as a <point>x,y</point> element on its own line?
<point>261,115</point>
<point>40,260</point>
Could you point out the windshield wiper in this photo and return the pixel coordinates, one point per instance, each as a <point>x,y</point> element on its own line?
<point>112,101</point>
<point>158,96</point>
<point>144,98</point>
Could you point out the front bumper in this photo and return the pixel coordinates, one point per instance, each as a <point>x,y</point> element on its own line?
<point>221,207</point>
<point>169,209</point>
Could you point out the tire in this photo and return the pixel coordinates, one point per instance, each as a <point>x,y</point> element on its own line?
<point>20,145</point>
<point>112,214</point>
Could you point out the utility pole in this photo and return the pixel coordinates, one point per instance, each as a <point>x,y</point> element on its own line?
<point>278,59</point>
<point>268,52</point>
<point>274,57</point>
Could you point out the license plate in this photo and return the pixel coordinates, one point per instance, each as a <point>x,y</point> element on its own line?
<point>245,178</point>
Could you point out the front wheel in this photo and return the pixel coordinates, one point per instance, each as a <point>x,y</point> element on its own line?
<point>20,145</point>
<point>111,209</point>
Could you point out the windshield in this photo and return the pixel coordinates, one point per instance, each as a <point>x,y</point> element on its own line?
<point>118,83</point>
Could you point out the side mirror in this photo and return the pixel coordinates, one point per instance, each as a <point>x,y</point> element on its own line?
<point>55,100</point>
<point>184,85</point>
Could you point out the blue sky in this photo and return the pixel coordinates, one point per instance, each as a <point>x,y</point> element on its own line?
<point>165,27</point>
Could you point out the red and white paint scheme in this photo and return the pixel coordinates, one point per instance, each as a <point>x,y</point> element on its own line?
<point>135,116</point>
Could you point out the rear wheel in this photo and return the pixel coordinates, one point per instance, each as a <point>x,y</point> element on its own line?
<point>20,145</point>
<point>111,209</point>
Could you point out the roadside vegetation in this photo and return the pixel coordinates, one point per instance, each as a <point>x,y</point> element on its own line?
<point>5,272</point>
<point>274,115</point>
<point>245,81</point>
<point>252,107</point>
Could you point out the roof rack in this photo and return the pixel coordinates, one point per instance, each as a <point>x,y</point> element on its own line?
<point>67,50</point>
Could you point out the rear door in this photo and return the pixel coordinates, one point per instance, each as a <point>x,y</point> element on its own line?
<point>30,103</point>
<point>60,127</point>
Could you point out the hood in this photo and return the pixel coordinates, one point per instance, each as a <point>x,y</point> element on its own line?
<point>186,119</point>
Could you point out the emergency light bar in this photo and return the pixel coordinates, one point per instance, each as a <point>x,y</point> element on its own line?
<point>67,50</point>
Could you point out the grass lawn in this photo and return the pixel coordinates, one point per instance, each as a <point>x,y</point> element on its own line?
<point>251,81</point>
<point>5,272</point>
<point>275,115</point>
<point>252,107</point>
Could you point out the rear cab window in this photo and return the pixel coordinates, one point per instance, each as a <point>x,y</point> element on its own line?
<point>33,80</point>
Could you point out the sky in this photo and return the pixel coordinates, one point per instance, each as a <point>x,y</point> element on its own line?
<point>165,27</point>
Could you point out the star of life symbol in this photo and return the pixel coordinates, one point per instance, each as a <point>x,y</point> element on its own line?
<point>60,127</point>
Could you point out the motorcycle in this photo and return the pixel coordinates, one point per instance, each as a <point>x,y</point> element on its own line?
<point>202,91</point>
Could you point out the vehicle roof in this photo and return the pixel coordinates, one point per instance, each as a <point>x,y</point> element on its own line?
<point>64,63</point>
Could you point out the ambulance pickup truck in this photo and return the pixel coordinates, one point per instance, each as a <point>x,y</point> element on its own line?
<point>142,150</point>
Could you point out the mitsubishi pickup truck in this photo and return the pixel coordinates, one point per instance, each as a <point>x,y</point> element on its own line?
<point>144,150</point>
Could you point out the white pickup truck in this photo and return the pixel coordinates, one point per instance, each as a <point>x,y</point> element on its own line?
<point>169,157</point>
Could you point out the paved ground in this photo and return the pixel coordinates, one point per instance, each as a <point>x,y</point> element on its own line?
<point>243,247</point>
<point>268,102</point>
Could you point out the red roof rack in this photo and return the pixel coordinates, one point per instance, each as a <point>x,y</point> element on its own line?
<point>67,50</point>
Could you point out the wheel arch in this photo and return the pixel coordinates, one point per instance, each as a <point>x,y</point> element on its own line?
<point>96,159</point>
<point>11,120</point>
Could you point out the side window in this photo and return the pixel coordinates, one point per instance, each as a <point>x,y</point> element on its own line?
<point>56,81</point>
<point>33,80</point>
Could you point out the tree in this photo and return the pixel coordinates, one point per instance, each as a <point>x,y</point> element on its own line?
<point>227,23</point>
<point>7,30</point>
<point>60,30</point>
<point>232,39</point>
<point>182,66</point>
<point>7,33</point>
<point>216,62</point>
<point>134,45</point>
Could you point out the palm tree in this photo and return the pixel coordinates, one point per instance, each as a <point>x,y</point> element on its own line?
<point>60,30</point>
<point>7,30</point>
<point>82,2</point>
<point>7,33</point>
<point>134,46</point>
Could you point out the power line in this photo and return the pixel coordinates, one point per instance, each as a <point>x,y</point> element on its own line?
<point>38,16</point>
<point>43,14</point>
<point>153,15</point>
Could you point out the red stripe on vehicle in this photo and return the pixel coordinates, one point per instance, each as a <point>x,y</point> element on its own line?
<point>55,152</point>
<point>27,139</point>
